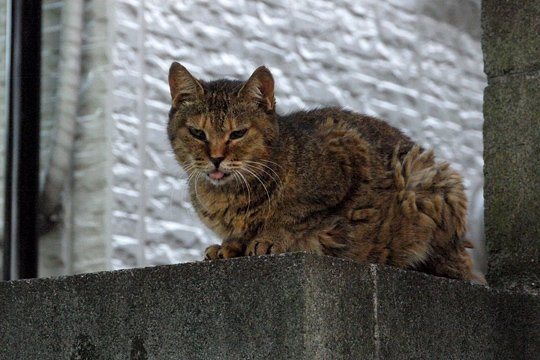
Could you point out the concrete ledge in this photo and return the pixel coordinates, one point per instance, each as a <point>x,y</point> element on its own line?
<point>294,306</point>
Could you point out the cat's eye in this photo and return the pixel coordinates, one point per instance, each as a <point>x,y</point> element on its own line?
<point>237,134</point>
<point>197,134</point>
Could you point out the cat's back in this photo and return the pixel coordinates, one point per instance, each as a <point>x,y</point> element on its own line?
<point>311,124</point>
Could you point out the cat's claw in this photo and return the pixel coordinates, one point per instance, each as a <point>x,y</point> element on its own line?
<point>224,251</point>
<point>264,247</point>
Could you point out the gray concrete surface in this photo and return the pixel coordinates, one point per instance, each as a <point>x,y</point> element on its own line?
<point>511,142</point>
<point>294,306</point>
<point>512,171</point>
<point>510,36</point>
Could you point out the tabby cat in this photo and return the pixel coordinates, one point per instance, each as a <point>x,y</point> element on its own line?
<point>326,181</point>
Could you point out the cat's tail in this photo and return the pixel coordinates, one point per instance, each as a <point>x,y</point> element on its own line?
<point>432,196</point>
<point>431,188</point>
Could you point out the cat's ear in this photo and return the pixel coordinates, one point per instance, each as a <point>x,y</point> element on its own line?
<point>260,88</point>
<point>184,87</point>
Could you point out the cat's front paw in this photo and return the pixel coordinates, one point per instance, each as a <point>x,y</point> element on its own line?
<point>263,247</point>
<point>211,252</point>
<point>224,251</point>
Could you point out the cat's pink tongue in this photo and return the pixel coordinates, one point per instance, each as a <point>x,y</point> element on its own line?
<point>216,174</point>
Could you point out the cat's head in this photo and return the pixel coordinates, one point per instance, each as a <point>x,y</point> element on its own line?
<point>222,130</point>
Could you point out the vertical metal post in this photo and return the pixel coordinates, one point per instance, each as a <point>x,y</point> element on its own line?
<point>23,61</point>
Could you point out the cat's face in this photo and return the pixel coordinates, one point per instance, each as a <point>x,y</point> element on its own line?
<point>222,131</point>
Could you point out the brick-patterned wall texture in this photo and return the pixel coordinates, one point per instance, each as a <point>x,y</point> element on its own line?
<point>417,64</point>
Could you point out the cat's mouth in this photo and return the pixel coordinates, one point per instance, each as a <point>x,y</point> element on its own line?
<point>217,175</point>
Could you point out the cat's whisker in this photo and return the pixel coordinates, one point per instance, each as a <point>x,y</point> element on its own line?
<point>257,169</point>
<point>264,186</point>
<point>271,162</point>
<point>251,164</point>
<point>196,191</point>
<point>190,177</point>
<point>239,184</point>
<point>171,200</point>
<point>235,176</point>
<point>189,167</point>
<point>248,191</point>
<point>188,173</point>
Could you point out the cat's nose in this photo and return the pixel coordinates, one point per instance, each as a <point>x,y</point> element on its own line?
<point>216,161</point>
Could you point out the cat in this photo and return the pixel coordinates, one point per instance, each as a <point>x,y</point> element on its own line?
<point>327,181</point>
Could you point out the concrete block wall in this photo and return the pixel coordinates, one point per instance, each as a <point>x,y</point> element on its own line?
<point>512,131</point>
<point>291,306</point>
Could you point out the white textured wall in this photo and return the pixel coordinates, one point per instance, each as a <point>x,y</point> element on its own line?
<point>417,64</point>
